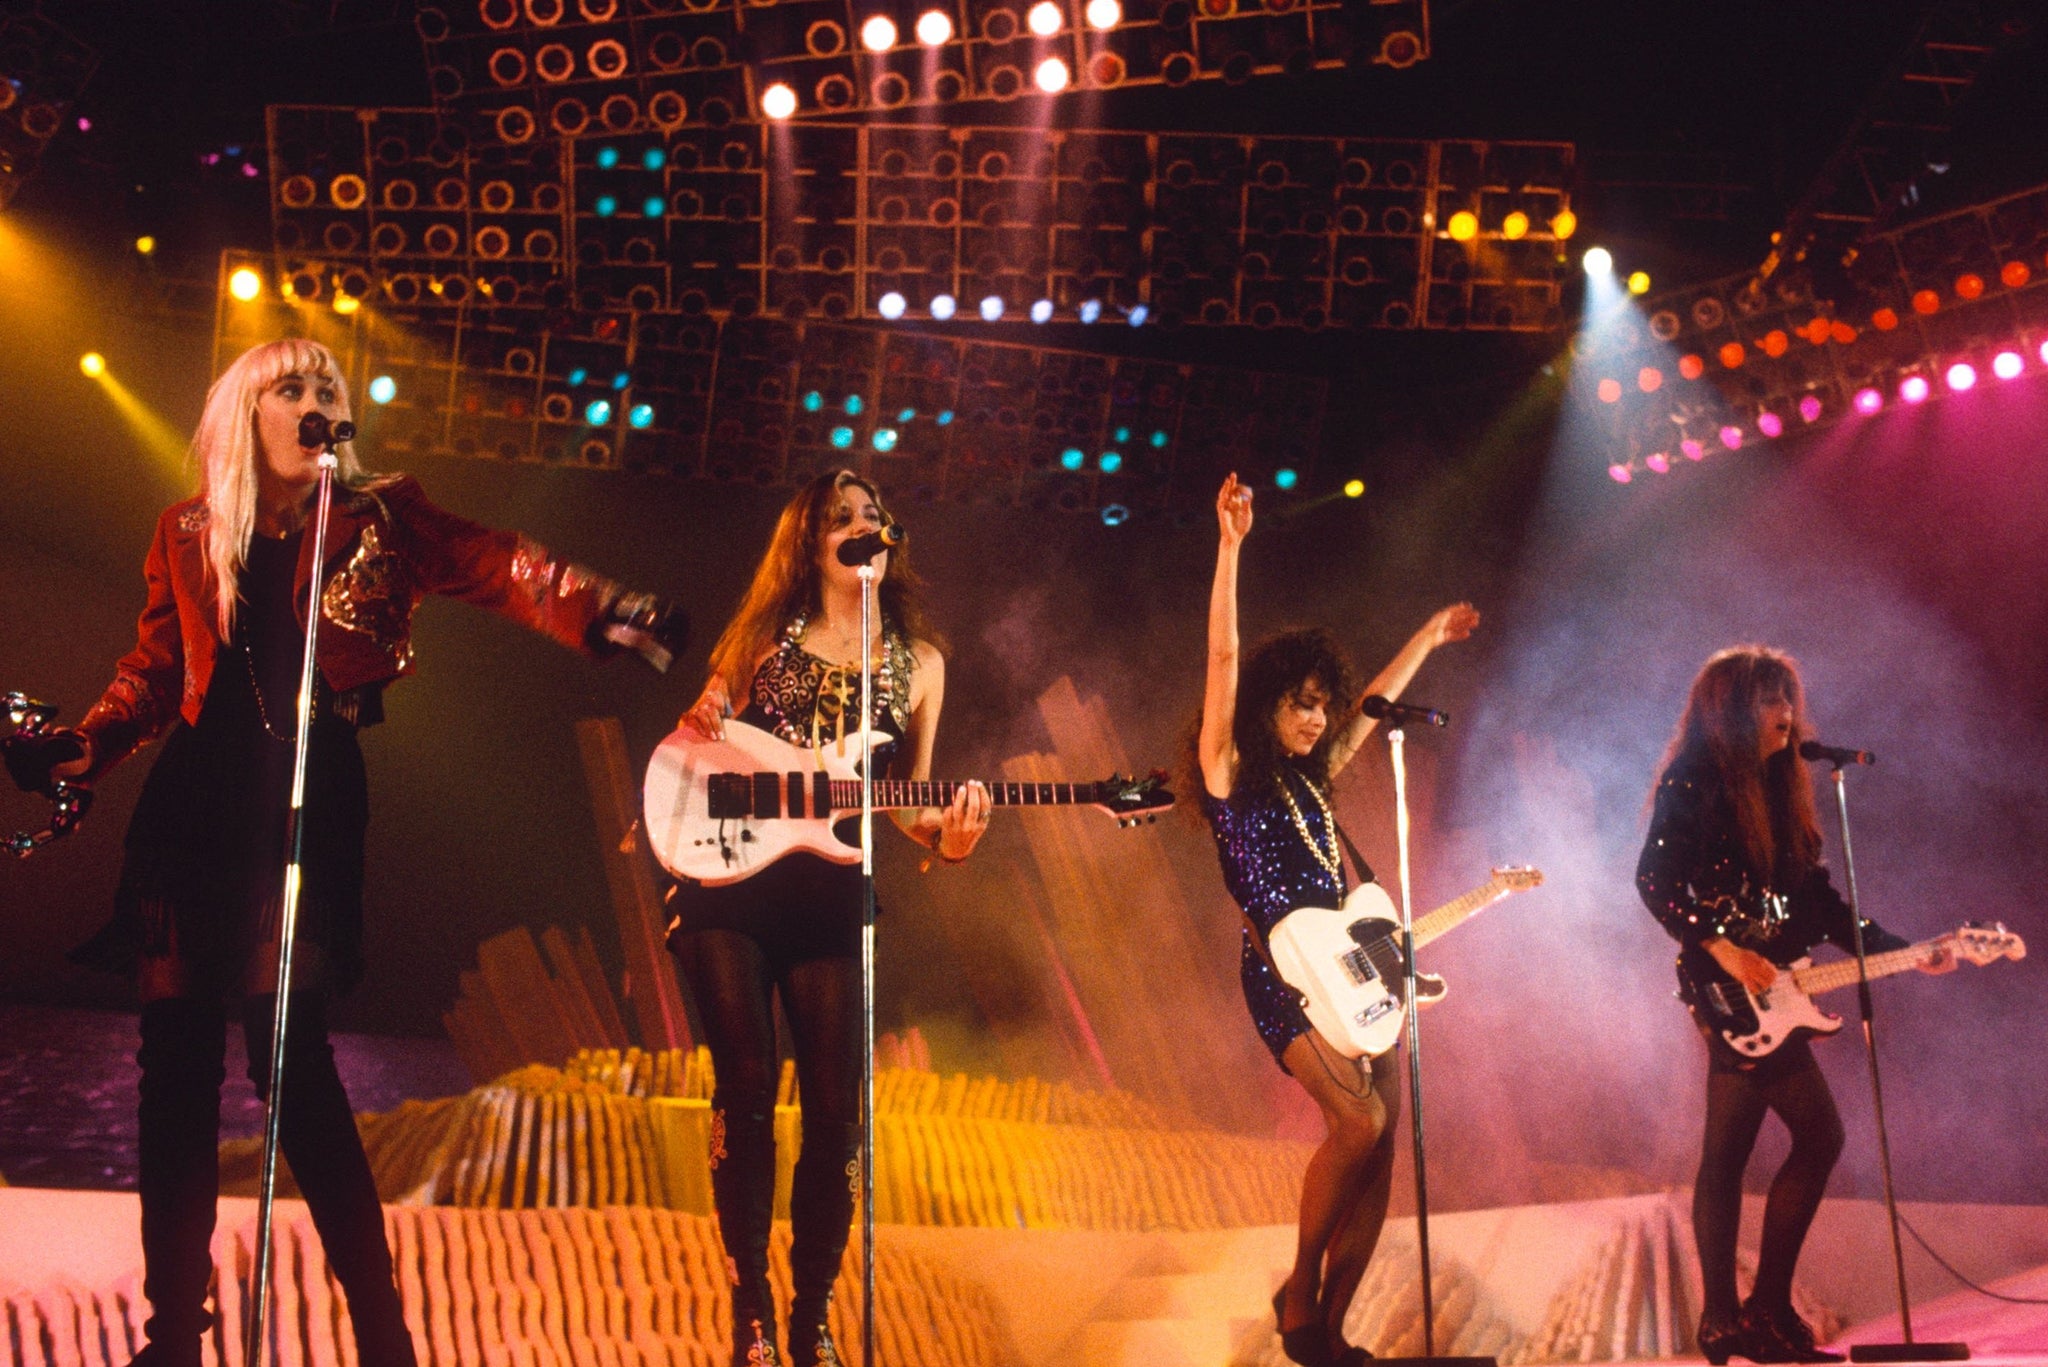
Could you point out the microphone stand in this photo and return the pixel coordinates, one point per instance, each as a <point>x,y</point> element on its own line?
<point>1907,1351</point>
<point>867,967</point>
<point>288,915</point>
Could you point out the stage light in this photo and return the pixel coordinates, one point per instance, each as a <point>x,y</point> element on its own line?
<point>842,437</point>
<point>906,415</point>
<point>1158,439</point>
<point>1770,424</point>
<point>1137,316</point>
<point>884,439</point>
<point>891,305</point>
<point>945,417</point>
<point>1969,285</point>
<point>1121,435</point>
<point>1044,18</point>
<point>814,400</point>
<point>2014,274</point>
<point>1515,226</point>
<point>1961,376</point>
<point>778,101</point>
<point>1731,437</point>
<point>1885,319</point>
<point>606,206</point>
<point>1111,462</point>
<point>991,308</point>
<point>577,376</point>
<point>1610,390</point>
<point>1868,401</point>
<point>245,284</point>
<point>943,306</point>
<point>1658,462</point>
<point>1598,261</point>
<point>1115,515</point>
<point>654,159</point>
<point>1692,448</point>
<point>878,34</point>
<point>1051,76</point>
<point>1914,389</point>
<point>2044,353</point>
<point>1041,312</point>
<point>345,304</point>
<point>1619,474</point>
<point>934,28</point>
<point>1104,14</point>
<point>1733,354</point>
<point>1354,488</point>
<point>853,405</point>
<point>1464,226</point>
<point>2006,365</point>
<point>1286,477</point>
<point>1810,408</point>
<point>383,389</point>
<point>607,158</point>
<point>1649,379</point>
<point>1073,458</point>
<point>653,206</point>
<point>621,380</point>
<point>1639,282</point>
<point>1774,343</point>
<point>1691,367</point>
<point>93,364</point>
<point>598,412</point>
<point>1564,225</point>
<point>1091,309</point>
<point>1926,301</point>
<point>147,244</point>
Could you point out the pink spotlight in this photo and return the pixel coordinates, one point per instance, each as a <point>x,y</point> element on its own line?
<point>1915,389</point>
<point>1770,424</point>
<point>1693,449</point>
<point>1868,401</point>
<point>1961,376</point>
<point>1658,461</point>
<point>2007,365</point>
<point>1810,408</point>
<point>1731,437</point>
<point>2044,353</point>
<point>1619,474</point>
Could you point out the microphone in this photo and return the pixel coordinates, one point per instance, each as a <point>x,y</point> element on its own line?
<point>316,430</point>
<point>1834,754</point>
<point>1381,709</point>
<point>858,550</point>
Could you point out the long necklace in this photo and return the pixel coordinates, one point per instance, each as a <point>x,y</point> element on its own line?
<point>262,712</point>
<point>1325,850</point>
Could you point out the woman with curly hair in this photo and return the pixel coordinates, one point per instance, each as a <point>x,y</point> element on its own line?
<point>1274,735</point>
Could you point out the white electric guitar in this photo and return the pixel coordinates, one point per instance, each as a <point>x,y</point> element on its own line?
<point>1347,964</point>
<point>718,811</point>
<point>1757,1023</point>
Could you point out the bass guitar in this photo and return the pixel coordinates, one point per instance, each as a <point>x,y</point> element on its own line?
<point>1346,964</point>
<point>1758,1023</point>
<point>718,811</point>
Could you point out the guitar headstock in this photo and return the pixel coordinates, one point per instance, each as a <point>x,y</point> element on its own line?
<point>1985,944</point>
<point>1134,801</point>
<point>1517,877</point>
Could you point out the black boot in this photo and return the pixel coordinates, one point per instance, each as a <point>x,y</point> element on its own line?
<point>317,1131</point>
<point>1720,1337</point>
<point>743,1189</point>
<point>821,1201</point>
<point>810,1332</point>
<point>1775,1333</point>
<point>178,1133</point>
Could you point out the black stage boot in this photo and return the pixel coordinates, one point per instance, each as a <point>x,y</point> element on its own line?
<point>317,1132</point>
<point>821,1203</point>
<point>178,1131</point>
<point>1775,1333</point>
<point>743,1189</point>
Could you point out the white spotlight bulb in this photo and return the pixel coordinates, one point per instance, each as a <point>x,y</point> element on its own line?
<point>1045,18</point>
<point>1104,14</point>
<point>934,28</point>
<point>1041,312</point>
<point>1052,75</point>
<point>878,34</point>
<point>778,101</point>
<point>1598,262</point>
<point>943,306</point>
<point>891,305</point>
<point>991,308</point>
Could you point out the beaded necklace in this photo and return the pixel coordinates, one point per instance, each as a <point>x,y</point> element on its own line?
<point>1325,851</point>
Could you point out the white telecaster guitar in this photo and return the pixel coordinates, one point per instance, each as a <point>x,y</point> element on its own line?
<point>1347,964</point>
<point>720,810</point>
<point>1756,1023</point>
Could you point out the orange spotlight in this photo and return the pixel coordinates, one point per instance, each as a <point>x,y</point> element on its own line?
<point>1610,390</point>
<point>1885,319</point>
<point>2015,274</point>
<point>1649,379</point>
<point>1691,367</point>
<point>245,284</point>
<point>1564,225</point>
<point>1733,354</point>
<point>1775,343</point>
<point>778,101</point>
<point>1515,226</point>
<point>1842,333</point>
<point>93,364</point>
<point>1464,226</point>
<point>1969,285</point>
<point>1926,301</point>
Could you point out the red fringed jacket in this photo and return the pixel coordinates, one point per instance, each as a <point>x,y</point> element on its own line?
<point>388,547</point>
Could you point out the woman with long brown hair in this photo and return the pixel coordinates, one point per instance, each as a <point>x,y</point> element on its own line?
<point>1732,870</point>
<point>790,663</point>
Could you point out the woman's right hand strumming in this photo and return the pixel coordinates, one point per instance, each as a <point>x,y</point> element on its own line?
<point>1234,510</point>
<point>1746,966</point>
<point>707,715</point>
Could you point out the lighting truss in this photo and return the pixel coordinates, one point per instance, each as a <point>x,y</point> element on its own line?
<point>526,68</point>
<point>771,402</point>
<point>42,71</point>
<point>813,220</point>
<point>1689,372</point>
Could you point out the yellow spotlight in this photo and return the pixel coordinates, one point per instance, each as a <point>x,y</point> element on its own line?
<point>1639,282</point>
<point>1464,226</point>
<point>1565,224</point>
<point>245,284</point>
<point>345,304</point>
<point>1354,488</point>
<point>93,364</point>
<point>778,101</point>
<point>1515,226</point>
<point>145,244</point>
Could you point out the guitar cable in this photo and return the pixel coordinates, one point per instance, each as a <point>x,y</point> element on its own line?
<point>1945,1266</point>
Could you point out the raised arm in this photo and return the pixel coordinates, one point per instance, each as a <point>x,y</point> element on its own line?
<point>1214,748</point>
<point>1453,623</point>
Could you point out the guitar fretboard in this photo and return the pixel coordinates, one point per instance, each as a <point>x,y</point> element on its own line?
<point>896,792</point>
<point>1827,977</point>
<point>1447,916</point>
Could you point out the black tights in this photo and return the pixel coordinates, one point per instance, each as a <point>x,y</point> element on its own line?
<point>1791,1084</point>
<point>733,978</point>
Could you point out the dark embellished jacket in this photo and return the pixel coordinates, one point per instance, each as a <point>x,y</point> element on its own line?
<point>388,547</point>
<point>1697,880</point>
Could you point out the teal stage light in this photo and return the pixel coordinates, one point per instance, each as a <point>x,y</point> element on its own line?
<point>1111,462</point>
<point>907,415</point>
<point>383,389</point>
<point>607,158</point>
<point>1159,441</point>
<point>598,413</point>
<point>622,379</point>
<point>852,405</point>
<point>641,415</point>
<point>813,401</point>
<point>606,205</point>
<point>945,416</point>
<point>654,206</point>
<point>654,158</point>
<point>1115,515</point>
<point>1285,478</point>
<point>578,376</point>
<point>885,439</point>
<point>1073,458</point>
<point>842,437</point>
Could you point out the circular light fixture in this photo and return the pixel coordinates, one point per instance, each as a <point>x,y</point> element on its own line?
<point>842,437</point>
<point>1619,474</point>
<point>991,308</point>
<point>1091,309</point>
<point>2006,365</point>
<point>1598,261</point>
<point>1639,282</point>
<point>1137,316</point>
<point>778,101</point>
<point>934,28</point>
<point>245,284</point>
<point>1103,14</point>
<point>1961,376</point>
<point>1515,226</point>
<point>93,364</point>
<point>944,306</point>
<point>1044,18</point>
<point>1354,488</point>
<point>1564,224</point>
<point>891,305</point>
<point>878,34</point>
<point>1041,312</point>
<point>598,412</point>
<point>383,389</point>
<point>1464,226</point>
<point>1914,389</point>
<point>641,415</point>
<point>345,304</point>
<point>1659,462</point>
<point>1868,400</point>
<point>1111,462</point>
<point>884,439</point>
<point>145,244</point>
<point>1770,424</point>
<point>1286,477</point>
<point>1073,458</point>
<point>1051,76</point>
<point>1115,515</point>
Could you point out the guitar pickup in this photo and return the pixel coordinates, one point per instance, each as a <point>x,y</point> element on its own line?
<point>729,797</point>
